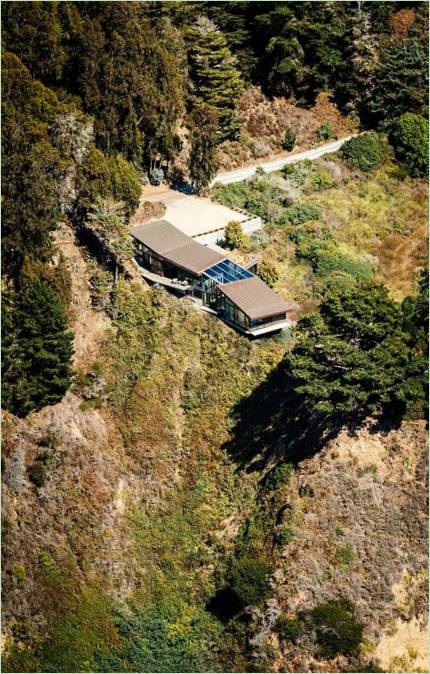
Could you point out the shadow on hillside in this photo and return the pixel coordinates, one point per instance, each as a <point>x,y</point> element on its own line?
<point>274,423</point>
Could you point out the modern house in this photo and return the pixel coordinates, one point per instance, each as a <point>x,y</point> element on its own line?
<point>169,257</point>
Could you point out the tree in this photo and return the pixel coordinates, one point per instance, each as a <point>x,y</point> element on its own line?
<point>401,82</point>
<point>38,349</point>
<point>353,359</point>
<point>32,166</point>
<point>234,236</point>
<point>363,56</point>
<point>106,177</point>
<point>409,136</point>
<point>202,164</point>
<point>214,77</point>
<point>33,31</point>
<point>123,61</point>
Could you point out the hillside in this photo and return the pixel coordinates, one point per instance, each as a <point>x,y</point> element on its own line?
<point>178,497</point>
<point>111,521</point>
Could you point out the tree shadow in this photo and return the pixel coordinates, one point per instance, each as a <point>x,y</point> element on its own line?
<point>274,422</point>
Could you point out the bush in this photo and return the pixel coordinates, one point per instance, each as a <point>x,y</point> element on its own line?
<point>250,580</point>
<point>297,214</point>
<point>156,176</point>
<point>344,555</point>
<point>280,475</point>
<point>285,536</point>
<point>268,273</point>
<point>234,236</point>
<point>327,259</point>
<point>325,131</point>
<point>289,140</point>
<point>409,138</point>
<point>364,152</point>
<point>37,472</point>
<point>290,629</point>
<point>338,631</point>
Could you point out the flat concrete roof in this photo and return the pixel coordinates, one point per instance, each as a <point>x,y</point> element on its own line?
<point>192,215</point>
<point>254,298</point>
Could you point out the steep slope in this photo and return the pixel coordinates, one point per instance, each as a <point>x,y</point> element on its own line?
<point>123,512</point>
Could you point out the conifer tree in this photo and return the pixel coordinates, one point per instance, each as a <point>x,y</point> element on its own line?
<point>214,77</point>
<point>364,58</point>
<point>37,348</point>
<point>356,358</point>
<point>202,163</point>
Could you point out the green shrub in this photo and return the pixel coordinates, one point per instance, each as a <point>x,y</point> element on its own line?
<point>338,631</point>
<point>268,273</point>
<point>18,572</point>
<point>249,578</point>
<point>330,260</point>
<point>285,536</point>
<point>297,214</point>
<point>289,140</point>
<point>280,475</point>
<point>321,180</point>
<point>38,470</point>
<point>364,152</point>
<point>325,131</point>
<point>344,555</point>
<point>327,259</point>
<point>290,629</point>
<point>409,138</point>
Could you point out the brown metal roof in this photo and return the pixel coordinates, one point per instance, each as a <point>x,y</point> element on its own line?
<point>175,246</point>
<point>193,256</point>
<point>160,236</point>
<point>254,298</point>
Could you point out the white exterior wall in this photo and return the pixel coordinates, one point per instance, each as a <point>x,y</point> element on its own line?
<point>248,226</point>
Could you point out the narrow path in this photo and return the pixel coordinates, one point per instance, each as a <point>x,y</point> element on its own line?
<point>242,174</point>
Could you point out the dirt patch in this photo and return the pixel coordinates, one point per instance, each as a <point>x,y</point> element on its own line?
<point>406,649</point>
<point>88,325</point>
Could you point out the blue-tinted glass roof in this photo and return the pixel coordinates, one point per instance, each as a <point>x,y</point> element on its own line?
<point>226,272</point>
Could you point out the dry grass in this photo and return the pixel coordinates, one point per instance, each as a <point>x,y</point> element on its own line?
<point>266,122</point>
<point>382,217</point>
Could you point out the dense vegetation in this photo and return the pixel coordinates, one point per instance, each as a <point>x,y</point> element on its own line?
<point>159,553</point>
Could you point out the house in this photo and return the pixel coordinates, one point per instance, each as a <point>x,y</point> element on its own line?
<point>171,258</point>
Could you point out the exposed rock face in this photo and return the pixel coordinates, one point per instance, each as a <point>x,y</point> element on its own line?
<point>74,131</point>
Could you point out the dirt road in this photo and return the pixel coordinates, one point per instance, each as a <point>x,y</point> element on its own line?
<point>243,173</point>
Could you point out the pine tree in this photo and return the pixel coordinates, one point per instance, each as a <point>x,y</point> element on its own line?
<point>401,81</point>
<point>202,164</point>
<point>37,349</point>
<point>364,57</point>
<point>214,77</point>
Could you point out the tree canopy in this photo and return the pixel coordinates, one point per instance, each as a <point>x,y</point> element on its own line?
<point>357,357</point>
<point>37,348</point>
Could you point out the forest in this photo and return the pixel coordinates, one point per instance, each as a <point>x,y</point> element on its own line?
<point>178,552</point>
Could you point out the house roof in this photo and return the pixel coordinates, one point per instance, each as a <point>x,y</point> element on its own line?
<point>193,256</point>
<point>176,247</point>
<point>160,236</point>
<point>254,298</point>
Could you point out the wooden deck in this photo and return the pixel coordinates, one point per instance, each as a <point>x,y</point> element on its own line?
<point>164,281</point>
